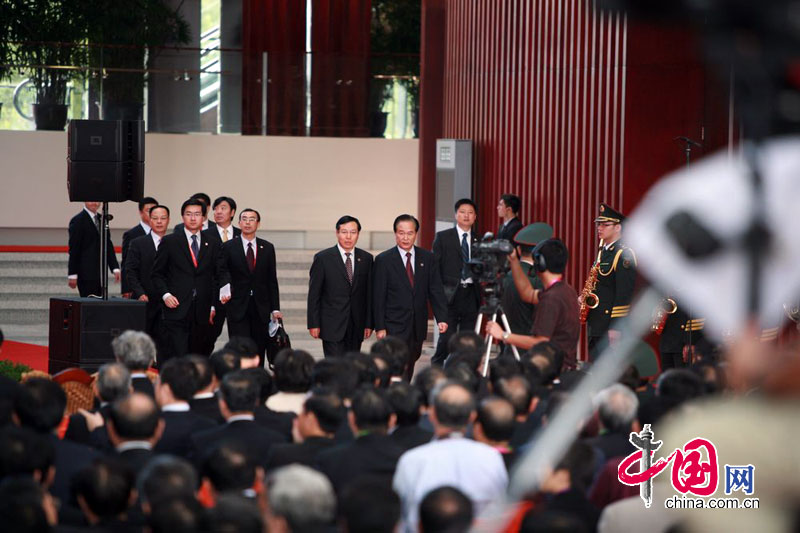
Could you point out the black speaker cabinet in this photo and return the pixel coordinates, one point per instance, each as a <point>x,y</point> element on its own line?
<point>81,330</point>
<point>106,160</point>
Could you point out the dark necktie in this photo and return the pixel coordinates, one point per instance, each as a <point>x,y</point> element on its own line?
<point>464,256</point>
<point>97,222</point>
<point>409,269</point>
<point>195,249</point>
<point>348,266</point>
<point>251,257</point>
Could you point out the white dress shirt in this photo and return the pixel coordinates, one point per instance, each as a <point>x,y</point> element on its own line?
<point>146,227</point>
<point>156,239</point>
<point>352,253</point>
<point>461,234</point>
<point>225,231</point>
<point>413,252</point>
<point>93,216</point>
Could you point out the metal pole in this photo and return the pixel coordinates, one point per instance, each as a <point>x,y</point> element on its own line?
<point>264,88</point>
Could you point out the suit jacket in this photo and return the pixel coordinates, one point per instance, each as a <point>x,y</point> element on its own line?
<point>208,407</point>
<point>175,273</point>
<point>408,437</point>
<point>135,458</point>
<point>304,453</point>
<point>128,237</point>
<point>215,233</point>
<point>262,282</point>
<point>78,431</point>
<point>372,454</point>
<point>447,254</point>
<point>71,457</point>
<point>178,430</point>
<point>399,308</point>
<point>332,301</point>
<point>280,422</point>
<point>509,230</point>
<point>138,272</point>
<point>143,385</point>
<point>257,440</point>
<point>84,249</point>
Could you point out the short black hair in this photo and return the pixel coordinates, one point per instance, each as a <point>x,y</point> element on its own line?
<point>497,418</point>
<point>105,486</point>
<point>135,417</point>
<point>365,367</point>
<point>678,385</point>
<point>371,410</point>
<point>405,401</point>
<point>466,201</point>
<point>327,406</point>
<point>251,210</point>
<point>147,200</point>
<point>224,361</point>
<point>426,380</point>
<point>40,404</point>
<point>231,202</point>
<point>202,366</point>
<point>554,355</point>
<point>165,477</point>
<point>177,515</point>
<point>555,254</point>
<point>263,379</point>
<point>24,452</point>
<point>369,505</point>
<point>513,201</point>
<point>21,505</point>
<point>462,372</point>
<point>229,467</point>
<point>159,206</point>
<point>338,374</point>
<point>195,202</point>
<point>406,218</point>
<point>504,366</point>
<point>244,346</point>
<point>203,197</point>
<point>453,412</point>
<point>465,339</point>
<point>293,370</point>
<point>394,351</point>
<point>235,512</point>
<point>240,391</point>
<point>445,509</point>
<point>181,376</point>
<point>579,461</point>
<point>347,219</point>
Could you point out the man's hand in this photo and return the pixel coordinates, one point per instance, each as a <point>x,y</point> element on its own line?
<point>442,327</point>
<point>512,257</point>
<point>73,283</point>
<point>380,334</point>
<point>225,299</point>
<point>171,302</point>
<point>211,316</point>
<point>367,333</point>
<point>613,336</point>
<point>277,314</point>
<point>494,329</point>
<point>144,298</point>
<point>93,420</point>
<point>117,276</point>
<point>314,332</point>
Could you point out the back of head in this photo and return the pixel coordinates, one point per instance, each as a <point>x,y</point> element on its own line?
<point>555,255</point>
<point>426,380</point>
<point>394,351</point>
<point>579,461</point>
<point>166,477</point>
<point>337,374</point>
<point>229,468</point>
<point>202,366</point>
<point>242,346</point>
<point>617,406</point>
<point>445,510</point>
<point>240,392</point>
<point>405,401</point>
<point>263,381</point>
<point>181,377</point>
<point>365,368</point>
<point>301,496</point>
<point>453,405</point>
<point>467,356</point>
<point>24,452</point>
<point>496,417</point>
<point>22,506</point>
<point>463,372</point>
<point>368,505</point>
<point>552,522</point>
<point>518,391</point>
<point>678,385</point>
<point>327,407</point>
<point>135,417</point>
<point>504,366</point>
<point>549,358</point>
<point>293,370</point>
<point>105,487</point>
<point>40,405</point>
<point>371,410</point>
<point>224,361</point>
<point>236,514</point>
<point>465,340</point>
<point>113,381</point>
<point>177,515</point>
<point>134,349</point>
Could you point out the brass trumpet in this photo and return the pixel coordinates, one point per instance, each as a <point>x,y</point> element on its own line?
<point>667,307</point>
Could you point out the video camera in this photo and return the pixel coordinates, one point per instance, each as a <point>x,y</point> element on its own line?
<point>489,264</point>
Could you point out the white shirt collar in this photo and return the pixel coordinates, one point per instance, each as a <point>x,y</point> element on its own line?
<point>145,227</point>
<point>156,239</point>
<point>134,445</point>
<point>189,236</point>
<point>203,395</point>
<point>205,225</point>
<point>237,418</point>
<point>177,407</point>
<point>403,253</point>
<point>352,253</point>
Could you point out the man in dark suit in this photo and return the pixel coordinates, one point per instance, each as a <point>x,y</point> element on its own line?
<point>406,402</point>
<point>339,303</point>
<point>83,271</point>
<point>139,230</point>
<point>134,427</point>
<point>203,197</point>
<point>452,249</point>
<point>508,209</point>
<point>405,279</point>
<point>112,383</point>
<point>238,395</point>
<point>188,272</point>
<point>138,269</point>
<point>254,283</point>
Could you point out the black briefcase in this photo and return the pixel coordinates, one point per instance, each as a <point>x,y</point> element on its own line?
<point>277,342</point>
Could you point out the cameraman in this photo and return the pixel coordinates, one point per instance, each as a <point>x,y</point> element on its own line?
<point>557,313</point>
<point>519,312</point>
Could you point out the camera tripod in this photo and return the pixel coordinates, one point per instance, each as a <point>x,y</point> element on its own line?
<point>494,309</point>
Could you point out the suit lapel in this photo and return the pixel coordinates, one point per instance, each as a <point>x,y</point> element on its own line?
<point>419,267</point>
<point>184,242</point>
<point>337,259</point>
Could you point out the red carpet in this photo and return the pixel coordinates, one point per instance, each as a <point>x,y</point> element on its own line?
<point>33,355</point>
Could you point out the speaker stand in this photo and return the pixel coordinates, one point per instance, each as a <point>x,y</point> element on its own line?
<point>105,218</point>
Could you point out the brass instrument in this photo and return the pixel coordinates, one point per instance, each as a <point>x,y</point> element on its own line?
<point>667,307</point>
<point>589,299</point>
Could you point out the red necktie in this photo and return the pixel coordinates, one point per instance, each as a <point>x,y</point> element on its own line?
<point>251,257</point>
<point>409,269</point>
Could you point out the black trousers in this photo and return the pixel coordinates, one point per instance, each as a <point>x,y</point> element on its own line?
<point>596,346</point>
<point>671,360</point>
<point>414,351</point>
<point>351,342</point>
<point>462,314</point>
<point>186,335</point>
<point>91,287</point>
<point>251,326</point>
<point>154,326</point>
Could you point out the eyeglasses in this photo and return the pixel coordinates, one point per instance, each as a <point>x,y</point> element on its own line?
<point>192,215</point>
<point>248,219</point>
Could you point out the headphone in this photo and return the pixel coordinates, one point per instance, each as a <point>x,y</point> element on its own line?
<point>539,262</point>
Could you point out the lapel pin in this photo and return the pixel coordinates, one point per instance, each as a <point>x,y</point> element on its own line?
<point>422,264</point>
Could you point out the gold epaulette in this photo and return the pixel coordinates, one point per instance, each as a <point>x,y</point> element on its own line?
<point>696,324</point>
<point>770,334</point>
<point>619,311</point>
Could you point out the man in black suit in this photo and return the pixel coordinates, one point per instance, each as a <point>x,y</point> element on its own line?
<point>254,283</point>
<point>405,279</point>
<point>138,269</point>
<point>238,395</point>
<point>452,249</point>
<point>323,413</point>
<point>188,272</point>
<point>83,271</point>
<point>112,383</point>
<point>406,402</point>
<point>137,351</point>
<point>203,197</point>
<point>339,303</point>
<point>134,427</point>
<point>139,230</point>
<point>508,209</point>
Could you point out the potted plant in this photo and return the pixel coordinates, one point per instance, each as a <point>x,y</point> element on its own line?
<point>127,36</point>
<point>49,37</point>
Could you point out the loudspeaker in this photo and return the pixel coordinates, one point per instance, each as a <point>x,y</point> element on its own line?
<point>81,330</point>
<point>106,160</point>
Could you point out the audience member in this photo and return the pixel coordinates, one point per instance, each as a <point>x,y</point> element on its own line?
<point>134,427</point>
<point>337,374</point>
<point>279,422</point>
<point>247,350</point>
<point>177,515</point>
<point>395,352</point>
<point>164,478</point>
<point>204,402</point>
<point>24,452</point>
<point>406,402</point>
<point>445,510</point>
<point>368,506</point>
<point>137,351</point>
<point>525,400</point>
<point>293,379</point>
<point>112,383</point>
<point>494,426</point>
<point>237,514</point>
<point>229,467</point>
<point>617,406</point>
<point>104,491</point>
<point>299,499</point>
<point>25,506</point>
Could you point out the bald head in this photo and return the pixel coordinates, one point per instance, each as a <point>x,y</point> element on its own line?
<point>453,406</point>
<point>517,390</point>
<point>135,417</point>
<point>496,420</point>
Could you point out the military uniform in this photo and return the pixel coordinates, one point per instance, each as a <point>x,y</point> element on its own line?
<point>679,330</point>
